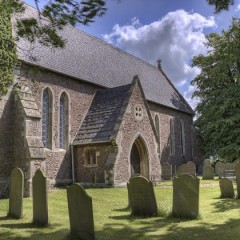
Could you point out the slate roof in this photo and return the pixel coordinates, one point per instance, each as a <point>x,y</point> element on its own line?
<point>90,59</point>
<point>104,116</point>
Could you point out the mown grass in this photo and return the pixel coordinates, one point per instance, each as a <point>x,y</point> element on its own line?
<point>219,218</point>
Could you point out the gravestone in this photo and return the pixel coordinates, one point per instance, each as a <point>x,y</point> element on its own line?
<point>237,171</point>
<point>166,171</point>
<point>235,162</point>
<point>185,196</point>
<point>220,169</point>
<point>226,187</point>
<point>207,162</point>
<point>16,193</point>
<point>142,197</point>
<point>187,168</point>
<point>229,166</point>
<point>208,172</point>
<point>80,212</point>
<point>40,203</point>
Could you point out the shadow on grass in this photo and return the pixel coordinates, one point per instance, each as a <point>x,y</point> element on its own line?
<point>173,230</point>
<point>226,204</point>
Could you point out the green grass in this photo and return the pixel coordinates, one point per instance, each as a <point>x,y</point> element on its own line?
<point>219,218</point>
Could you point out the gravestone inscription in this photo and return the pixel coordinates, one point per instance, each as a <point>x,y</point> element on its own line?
<point>40,203</point>
<point>16,193</point>
<point>142,197</point>
<point>185,196</point>
<point>80,212</point>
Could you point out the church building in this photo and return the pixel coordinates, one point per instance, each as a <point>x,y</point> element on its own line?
<point>91,113</point>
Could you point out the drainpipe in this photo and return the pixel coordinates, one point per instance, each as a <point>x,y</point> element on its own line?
<point>73,173</point>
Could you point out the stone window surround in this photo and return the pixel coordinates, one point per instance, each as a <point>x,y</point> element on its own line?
<point>172,137</point>
<point>138,111</point>
<point>97,154</point>
<point>51,113</point>
<point>182,138</point>
<point>67,134</point>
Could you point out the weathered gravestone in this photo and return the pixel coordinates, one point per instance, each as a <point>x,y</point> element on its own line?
<point>40,203</point>
<point>142,197</point>
<point>185,196</point>
<point>220,169</point>
<point>207,162</point>
<point>16,193</point>
<point>208,172</point>
<point>237,171</point>
<point>226,187</point>
<point>188,168</point>
<point>166,171</point>
<point>80,212</point>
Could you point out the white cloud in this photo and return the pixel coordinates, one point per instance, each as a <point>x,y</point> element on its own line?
<point>174,39</point>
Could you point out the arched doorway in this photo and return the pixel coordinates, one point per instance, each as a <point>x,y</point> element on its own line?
<point>139,162</point>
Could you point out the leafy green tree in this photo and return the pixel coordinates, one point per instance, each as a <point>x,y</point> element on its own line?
<point>221,4</point>
<point>44,27</point>
<point>218,92</point>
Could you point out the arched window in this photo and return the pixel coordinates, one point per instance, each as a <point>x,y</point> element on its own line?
<point>63,121</point>
<point>182,138</point>
<point>172,137</point>
<point>157,125</point>
<point>47,118</point>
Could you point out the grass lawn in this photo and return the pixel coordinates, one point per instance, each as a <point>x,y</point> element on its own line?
<point>220,218</point>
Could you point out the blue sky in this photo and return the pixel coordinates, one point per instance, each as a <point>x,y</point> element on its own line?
<point>170,30</point>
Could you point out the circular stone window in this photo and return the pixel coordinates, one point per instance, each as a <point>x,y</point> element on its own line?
<point>138,112</point>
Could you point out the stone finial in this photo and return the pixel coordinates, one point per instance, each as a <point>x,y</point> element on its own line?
<point>159,61</point>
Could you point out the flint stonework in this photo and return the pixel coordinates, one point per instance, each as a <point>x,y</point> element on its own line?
<point>185,196</point>
<point>16,193</point>
<point>226,187</point>
<point>40,202</point>
<point>80,212</point>
<point>142,197</point>
<point>208,172</point>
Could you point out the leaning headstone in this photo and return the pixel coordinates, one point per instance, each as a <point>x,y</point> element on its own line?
<point>40,203</point>
<point>237,172</point>
<point>188,168</point>
<point>226,187</point>
<point>142,197</point>
<point>16,193</point>
<point>220,169</point>
<point>166,171</point>
<point>208,172</point>
<point>185,196</point>
<point>80,212</point>
<point>207,162</point>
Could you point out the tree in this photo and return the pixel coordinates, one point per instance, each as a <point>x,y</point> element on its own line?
<point>44,27</point>
<point>218,91</point>
<point>53,17</point>
<point>221,4</point>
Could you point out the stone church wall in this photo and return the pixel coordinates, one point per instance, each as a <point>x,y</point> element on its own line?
<point>80,95</point>
<point>92,174</point>
<point>165,114</point>
<point>130,129</point>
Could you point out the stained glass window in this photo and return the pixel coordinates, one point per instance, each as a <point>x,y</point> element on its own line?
<point>172,137</point>
<point>46,117</point>
<point>157,125</point>
<point>63,125</point>
<point>182,138</point>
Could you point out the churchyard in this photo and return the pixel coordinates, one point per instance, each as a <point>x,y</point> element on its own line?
<point>218,218</point>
